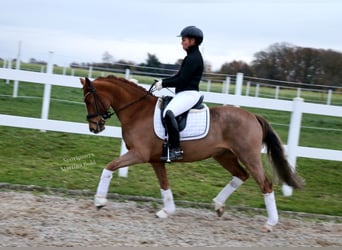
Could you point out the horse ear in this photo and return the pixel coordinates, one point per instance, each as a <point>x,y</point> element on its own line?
<point>83,81</point>
<point>87,81</point>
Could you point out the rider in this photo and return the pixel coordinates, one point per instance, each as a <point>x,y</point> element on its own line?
<point>186,82</point>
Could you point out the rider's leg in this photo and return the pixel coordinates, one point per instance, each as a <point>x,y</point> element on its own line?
<point>182,102</point>
<point>173,137</point>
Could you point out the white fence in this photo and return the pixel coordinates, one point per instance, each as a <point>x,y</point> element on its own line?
<point>297,107</point>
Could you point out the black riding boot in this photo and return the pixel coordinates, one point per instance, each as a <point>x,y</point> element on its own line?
<point>174,152</point>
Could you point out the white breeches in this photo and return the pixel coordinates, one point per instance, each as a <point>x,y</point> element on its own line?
<point>182,102</point>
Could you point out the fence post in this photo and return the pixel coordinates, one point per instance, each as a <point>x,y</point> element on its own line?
<point>329,96</point>
<point>16,82</point>
<point>90,72</point>
<point>47,90</point>
<point>238,83</point>
<point>9,66</point>
<point>208,85</point>
<point>276,95</point>
<point>293,139</point>
<point>299,90</point>
<point>257,87</point>
<point>225,86</point>
<point>248,86</point>
<point>127,73</point>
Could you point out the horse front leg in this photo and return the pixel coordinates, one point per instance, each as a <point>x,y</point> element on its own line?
<point>166,193</point>
<point>126,159</point>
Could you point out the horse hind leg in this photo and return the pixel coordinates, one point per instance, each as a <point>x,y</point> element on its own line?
<point>252,160</point>
<point>269,198</point>
<point>230,162</point>
<point>272,212</point>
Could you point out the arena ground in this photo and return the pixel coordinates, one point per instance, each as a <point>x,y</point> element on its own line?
<point>34,219</point>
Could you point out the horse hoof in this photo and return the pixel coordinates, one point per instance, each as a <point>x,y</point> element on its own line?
<point>162,214</point>
<point>100,202</point>
<point>219,208</point>
<point>99,207</point>
<point>220,211</point>
<point>266,228</point>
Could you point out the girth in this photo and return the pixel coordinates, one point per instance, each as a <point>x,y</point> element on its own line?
<point>181,119</point>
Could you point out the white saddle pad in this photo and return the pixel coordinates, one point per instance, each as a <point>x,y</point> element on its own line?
<point>197,124</point>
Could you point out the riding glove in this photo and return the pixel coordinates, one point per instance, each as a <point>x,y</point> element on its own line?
<point>159,85</point>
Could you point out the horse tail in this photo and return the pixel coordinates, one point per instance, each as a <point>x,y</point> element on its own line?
<point>276,155</point>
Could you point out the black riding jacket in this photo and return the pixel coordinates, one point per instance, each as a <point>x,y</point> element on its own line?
<point>190,73</point>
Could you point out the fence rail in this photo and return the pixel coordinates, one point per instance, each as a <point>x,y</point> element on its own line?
<point>297,107</point>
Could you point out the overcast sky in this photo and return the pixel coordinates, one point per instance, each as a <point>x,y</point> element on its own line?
<point>82,30</point>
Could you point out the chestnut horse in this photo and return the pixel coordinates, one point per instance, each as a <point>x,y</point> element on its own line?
<point>235,137</point>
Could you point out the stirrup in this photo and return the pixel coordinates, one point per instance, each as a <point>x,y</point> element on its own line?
<point>172,154</point>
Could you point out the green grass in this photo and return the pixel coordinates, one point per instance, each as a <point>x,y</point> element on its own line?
<point>50,158</point>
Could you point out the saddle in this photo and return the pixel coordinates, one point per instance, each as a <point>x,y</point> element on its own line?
<point>182,118</point>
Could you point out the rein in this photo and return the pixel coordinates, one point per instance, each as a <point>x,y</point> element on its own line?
<point>132,103</point>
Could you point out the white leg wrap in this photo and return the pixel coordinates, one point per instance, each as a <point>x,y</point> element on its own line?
<point>162,214</point>
<point>102,188</point>
<point>221,198</point>
<point>100,201</point>
<point>169,205</point>
<point>271,208</point>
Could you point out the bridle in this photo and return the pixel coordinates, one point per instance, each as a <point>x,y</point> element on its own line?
<point>98,105</point>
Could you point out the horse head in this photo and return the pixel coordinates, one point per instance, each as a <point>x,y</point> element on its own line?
<point>96,107</point>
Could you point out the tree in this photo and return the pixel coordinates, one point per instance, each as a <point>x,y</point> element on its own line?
<point>123,64</point>
<point>234,67</point>
<point>307,66</point>
<point>298,64</point>
<point>275,62</point>
<point>107,58</point>
<point>152,61</point>
<point>207,66</point>
<point>332,65</point>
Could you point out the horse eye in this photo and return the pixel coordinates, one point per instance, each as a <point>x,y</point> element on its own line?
<point>88,101</point>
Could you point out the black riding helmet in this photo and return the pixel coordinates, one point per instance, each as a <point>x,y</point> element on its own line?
<point>192,32</point>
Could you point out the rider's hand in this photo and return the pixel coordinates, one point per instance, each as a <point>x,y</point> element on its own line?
<point>159,84</point>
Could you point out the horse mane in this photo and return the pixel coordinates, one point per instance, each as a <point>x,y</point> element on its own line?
<point>113,79</point>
